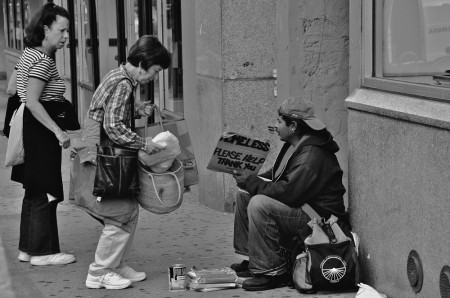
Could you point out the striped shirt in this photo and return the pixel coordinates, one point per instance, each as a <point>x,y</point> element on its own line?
<point>113,108</point>
<point>36,64</point>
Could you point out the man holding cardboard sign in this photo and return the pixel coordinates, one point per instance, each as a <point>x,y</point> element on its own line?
<point>269,205</point>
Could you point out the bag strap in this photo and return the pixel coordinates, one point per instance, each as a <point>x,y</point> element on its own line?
<point>180,194</point>
<point>311,212</point>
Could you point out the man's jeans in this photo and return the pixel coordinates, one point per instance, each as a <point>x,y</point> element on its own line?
<point>260,223</point>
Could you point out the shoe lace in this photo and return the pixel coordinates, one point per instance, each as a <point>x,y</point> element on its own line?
<point>113,274</point>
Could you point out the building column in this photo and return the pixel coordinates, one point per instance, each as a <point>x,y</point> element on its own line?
<point>235,59</point>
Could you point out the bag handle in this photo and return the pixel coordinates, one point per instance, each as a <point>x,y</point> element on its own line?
<point>311,212</point>
<point>178,183</point>
<point>157,111</point>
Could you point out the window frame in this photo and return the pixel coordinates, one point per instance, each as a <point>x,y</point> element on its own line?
<point>371,51</point>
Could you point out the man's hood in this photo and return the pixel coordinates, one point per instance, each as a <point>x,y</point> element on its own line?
<point>325,142</point>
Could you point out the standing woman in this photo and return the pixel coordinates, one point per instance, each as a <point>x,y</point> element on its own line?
<point>38,85</point>
<point>109,119</point>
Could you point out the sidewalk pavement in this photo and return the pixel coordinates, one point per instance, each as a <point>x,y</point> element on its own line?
<point>192,235</point>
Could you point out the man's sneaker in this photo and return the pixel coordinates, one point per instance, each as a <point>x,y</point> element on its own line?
<point>55,259</point>
<point>109,281</point>
<point>131,274</point>
<point>24,257</point>
<point>240,267</point>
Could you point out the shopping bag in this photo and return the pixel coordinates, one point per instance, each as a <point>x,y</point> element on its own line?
<point>238,152</point>
<point>15,153</point>
<point>179,129</point>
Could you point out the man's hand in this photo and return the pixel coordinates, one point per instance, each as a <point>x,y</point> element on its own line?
<point>146,108</point>
<point>240,176</point>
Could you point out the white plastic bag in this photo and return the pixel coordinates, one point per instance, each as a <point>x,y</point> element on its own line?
<point>366,291</point>
<point>161,161</point>
<point>15,154</point>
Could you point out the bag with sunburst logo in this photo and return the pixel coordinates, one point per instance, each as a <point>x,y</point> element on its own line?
<point>330,260</point>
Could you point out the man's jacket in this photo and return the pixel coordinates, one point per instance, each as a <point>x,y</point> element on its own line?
<point>311,175</point>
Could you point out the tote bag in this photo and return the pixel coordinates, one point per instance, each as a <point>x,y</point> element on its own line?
<point>15,153</point>
<point>161,192</point>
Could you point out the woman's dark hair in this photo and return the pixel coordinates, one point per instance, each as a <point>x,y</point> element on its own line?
<point>45,16</point>
<point>148,51</point>
<point>303,128</point>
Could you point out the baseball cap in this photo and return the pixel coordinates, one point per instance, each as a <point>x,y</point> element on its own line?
<point>296,108</point>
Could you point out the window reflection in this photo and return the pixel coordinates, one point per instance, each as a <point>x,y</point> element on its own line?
<point>19,25</point>
<point>416,38</point>
<point>11,24</point>
<point>87,59</point>
<point>172,40</point>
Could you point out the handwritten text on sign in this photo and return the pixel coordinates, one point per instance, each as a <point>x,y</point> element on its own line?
<point>237,152</point>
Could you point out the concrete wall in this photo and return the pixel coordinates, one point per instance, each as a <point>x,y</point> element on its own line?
<point>399,187</point>
<point>313,61</point>
<point>235,56</point>
<point>238,46</point>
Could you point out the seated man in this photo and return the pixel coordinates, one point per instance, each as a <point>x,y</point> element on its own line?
<point>305,171</point>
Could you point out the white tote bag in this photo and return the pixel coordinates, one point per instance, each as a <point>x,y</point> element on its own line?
<point>15,152</point>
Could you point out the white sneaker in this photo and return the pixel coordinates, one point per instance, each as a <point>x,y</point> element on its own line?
<point>55,259</point>
<point>24,257</point>
<point>109,281</point>
<point>131,274</point>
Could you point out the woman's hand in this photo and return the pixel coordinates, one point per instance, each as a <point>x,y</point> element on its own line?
<point>63,138</point>
<point>146,108</point>
<point>152,148</point>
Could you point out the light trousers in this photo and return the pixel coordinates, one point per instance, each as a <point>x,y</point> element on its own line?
<point>6,290</point>
<point>113,249</point>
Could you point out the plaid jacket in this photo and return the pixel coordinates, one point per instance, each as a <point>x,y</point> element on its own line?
<point>113,108</point>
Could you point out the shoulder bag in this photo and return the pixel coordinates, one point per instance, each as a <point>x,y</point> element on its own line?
<point>330,260</point>
<point>116,173</point>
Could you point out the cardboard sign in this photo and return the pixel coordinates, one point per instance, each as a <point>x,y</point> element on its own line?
<point>238,152</point>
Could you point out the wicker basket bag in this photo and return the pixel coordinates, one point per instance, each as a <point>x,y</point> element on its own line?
<point>161,192</point>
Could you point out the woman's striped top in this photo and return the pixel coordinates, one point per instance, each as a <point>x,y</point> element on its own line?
<point>36,64</point>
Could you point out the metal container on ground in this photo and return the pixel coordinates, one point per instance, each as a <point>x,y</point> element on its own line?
<point>177,278</point>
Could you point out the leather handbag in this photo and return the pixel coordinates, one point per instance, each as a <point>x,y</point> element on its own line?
<point>117,166</point>
<point>116,173</point>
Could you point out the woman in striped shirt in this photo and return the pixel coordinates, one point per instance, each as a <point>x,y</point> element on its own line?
<point>38,82</point>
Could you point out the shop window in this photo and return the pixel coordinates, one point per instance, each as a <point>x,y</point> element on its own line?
<point>407,46</point>
<point>17,14</point>
<point>166,19</point>
<point>163,19</point>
